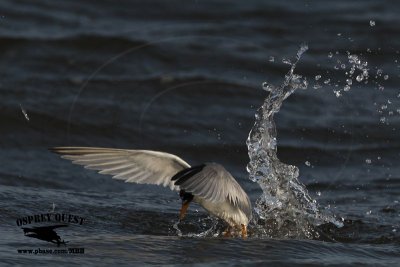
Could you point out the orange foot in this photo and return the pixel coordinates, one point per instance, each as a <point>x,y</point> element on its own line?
<point>244,231</point>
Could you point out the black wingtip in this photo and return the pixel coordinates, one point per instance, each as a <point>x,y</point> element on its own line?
<point>185,174</point>
<point>56,149</point>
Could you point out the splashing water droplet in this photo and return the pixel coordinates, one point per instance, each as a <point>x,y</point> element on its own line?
<point>267,87</point>
<point>285,198</point>
<point>176,227</point>
<point>271,59</point>
<point>286,61</point>
<point>24,112</point>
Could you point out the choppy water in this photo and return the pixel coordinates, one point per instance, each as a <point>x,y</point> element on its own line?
<point>187,78</point>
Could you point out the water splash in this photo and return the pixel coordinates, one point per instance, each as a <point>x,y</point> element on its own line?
<point>285,209</point>
<point>208,226</point>
<point>24,112</point>
<point>176,228</point>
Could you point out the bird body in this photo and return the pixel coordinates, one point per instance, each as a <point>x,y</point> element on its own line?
<point>230,213</point>
<point>209,184</point>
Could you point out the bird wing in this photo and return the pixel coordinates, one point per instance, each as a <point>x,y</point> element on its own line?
<point>132,166</point>
<point>214,183</point>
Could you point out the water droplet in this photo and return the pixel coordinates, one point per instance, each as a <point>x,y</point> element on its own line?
<point>386,77</point>
<point>368,161</point>
<point>307,163</point>
<point>343,66</point>
<point>330,55</point>
<point>382,119</point>
<point>372,23</point>
<point>304,84</point>
<point>379,72</point>
<point>369,212</point>
<point>319,193</point>
<point>349,81</point>
<point>381,88</point>
<point>267,87</point>
<point>327,81</point>
<point>359,78</point>
<point>346,88</point>
<point>24,112</point>
<point>383,107</point>
<point>271,59</point>
<point>317,77</point>
<point>317,86</point>
<point>339,34</point>
<point>286,61</point>
<point>337,93</point>
<point>264,85</point>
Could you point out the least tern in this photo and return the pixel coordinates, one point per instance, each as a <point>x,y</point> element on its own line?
<point>209,184</point>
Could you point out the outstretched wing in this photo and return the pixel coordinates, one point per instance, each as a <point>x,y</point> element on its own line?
<point>214,183</point>
<point>131,166</point>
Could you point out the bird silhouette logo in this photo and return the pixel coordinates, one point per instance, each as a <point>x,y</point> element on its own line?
<point>45,233</point>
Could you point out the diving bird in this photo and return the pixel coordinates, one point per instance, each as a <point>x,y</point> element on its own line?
<point>208,184</point>
<point>46,233</point>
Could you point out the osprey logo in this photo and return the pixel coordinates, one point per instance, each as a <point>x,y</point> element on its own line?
<point>43,226</point>
<point>45,233</point>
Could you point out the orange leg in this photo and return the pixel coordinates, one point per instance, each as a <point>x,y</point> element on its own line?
<point>184,208</point>
<point>244,231</point>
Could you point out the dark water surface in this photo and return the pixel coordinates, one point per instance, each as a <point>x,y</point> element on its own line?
<point>185,77</point>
